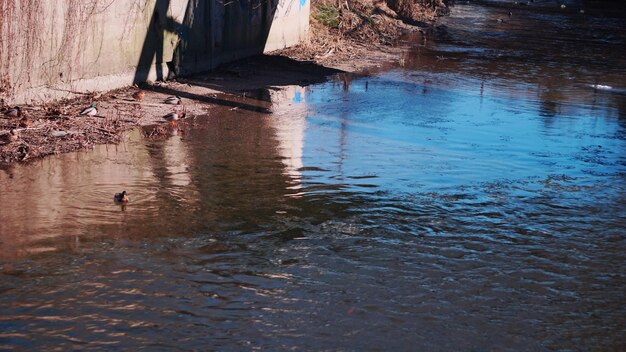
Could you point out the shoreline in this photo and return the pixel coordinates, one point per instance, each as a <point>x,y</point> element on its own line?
<point>57,127</point>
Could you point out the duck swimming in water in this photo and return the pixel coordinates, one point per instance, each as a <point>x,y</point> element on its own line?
<point>90,111</point>
<point>121,197</point>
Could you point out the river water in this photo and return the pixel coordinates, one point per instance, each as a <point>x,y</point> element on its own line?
<point>471,197</point>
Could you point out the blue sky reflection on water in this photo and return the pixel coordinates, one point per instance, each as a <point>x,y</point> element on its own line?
<point>418,137</point>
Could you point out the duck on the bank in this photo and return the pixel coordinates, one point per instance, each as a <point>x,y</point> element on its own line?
<point>174,100</point>
<point>90,111</point>
<point>139,95</point>
<point>121,197</point>
<point>25,122</point>
<point>14,112</point>
<point>7,138</point>
<point>174,116</point>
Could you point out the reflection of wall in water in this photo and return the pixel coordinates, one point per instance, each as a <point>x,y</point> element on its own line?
<point>290,122</point>
<point>72,195</point>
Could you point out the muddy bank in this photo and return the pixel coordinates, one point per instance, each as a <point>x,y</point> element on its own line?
<point>358,34</point>
<point>58,127</point>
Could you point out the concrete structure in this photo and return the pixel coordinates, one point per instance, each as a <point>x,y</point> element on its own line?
<point>49,49</point>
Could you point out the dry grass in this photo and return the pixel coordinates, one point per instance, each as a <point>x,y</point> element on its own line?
<point>418,10</point>
<point>343,29</point>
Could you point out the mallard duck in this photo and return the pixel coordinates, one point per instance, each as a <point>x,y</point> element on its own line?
<point>121,197</point>
<point>174,100</point>
<point>174,116</point>
<point>90,111</point>
<point>14,112</point>
<point>139,95</point>
<point>25,122</point>
<point>7,138</point>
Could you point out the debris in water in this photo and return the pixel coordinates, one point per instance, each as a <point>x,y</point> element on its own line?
<point>601,87</point>
<point>157,131</point>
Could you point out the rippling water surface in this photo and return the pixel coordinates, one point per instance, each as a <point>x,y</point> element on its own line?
<point>471,198</point>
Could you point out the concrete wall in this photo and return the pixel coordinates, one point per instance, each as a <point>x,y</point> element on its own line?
<point>49,49</point>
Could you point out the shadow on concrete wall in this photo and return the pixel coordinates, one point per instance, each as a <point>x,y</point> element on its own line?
<point>152,49</point>
<point>212,32</point>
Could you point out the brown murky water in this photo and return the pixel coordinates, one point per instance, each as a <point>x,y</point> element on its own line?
<point>473,198</point>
